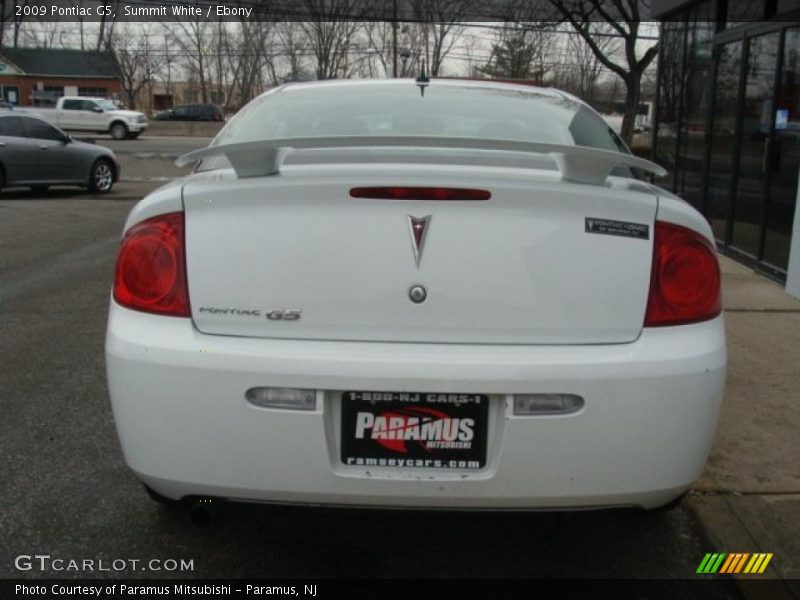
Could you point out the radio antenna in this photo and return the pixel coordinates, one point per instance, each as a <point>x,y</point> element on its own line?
<point>423,80</point>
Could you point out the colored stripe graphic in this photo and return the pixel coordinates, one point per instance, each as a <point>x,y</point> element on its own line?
<point>732,558</point>
<point>741,562</point>
<point>703,564</point>
<point>711,562</point>
<point>716,565</point>
<point>734,563</point>
<point>765,563</point>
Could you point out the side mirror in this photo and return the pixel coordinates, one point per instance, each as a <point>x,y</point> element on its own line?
<point>97,109</point>
<point>68,139</point>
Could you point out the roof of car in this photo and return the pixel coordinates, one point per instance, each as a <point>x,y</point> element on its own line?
<point>485,83</point>
<point>525,87</point>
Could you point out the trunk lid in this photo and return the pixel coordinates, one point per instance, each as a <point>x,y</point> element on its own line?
<point>519,268</point>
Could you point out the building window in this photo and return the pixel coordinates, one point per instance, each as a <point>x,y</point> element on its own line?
<point>10,94</point>
<point>95,92</point>
<point>163,101</point>
<point>48,96</point>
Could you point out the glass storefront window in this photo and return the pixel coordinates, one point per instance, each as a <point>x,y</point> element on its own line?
<point>666,135</point>
<point>718,207</point>
<point>784,157</point>
<point>782,6</point>
<point>748,208</point>
<point>739,12</point>
<point>695,104</point>
<point>743,86</point>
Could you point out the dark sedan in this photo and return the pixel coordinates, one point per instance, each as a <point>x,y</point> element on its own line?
<point>37,154</point>
<point>192,112</point>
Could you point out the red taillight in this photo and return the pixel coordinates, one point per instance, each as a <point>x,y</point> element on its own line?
<point>151,267</point>
<point>684,283</point>
<point>419,193</point>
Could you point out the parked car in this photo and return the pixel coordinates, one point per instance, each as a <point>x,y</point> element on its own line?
<point>192,112</point>
<point>78,113</point>
<point>448,294</point>
<point>35,153</point>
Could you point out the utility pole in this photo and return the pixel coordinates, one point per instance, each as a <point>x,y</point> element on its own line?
<point>394,38</point>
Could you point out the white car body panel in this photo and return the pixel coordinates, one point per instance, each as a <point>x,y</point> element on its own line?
<point>186,428</point>
<point>490,266</point>
<point>522,300</point>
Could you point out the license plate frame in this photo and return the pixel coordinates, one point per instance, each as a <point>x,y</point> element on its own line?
<point>414,430</point>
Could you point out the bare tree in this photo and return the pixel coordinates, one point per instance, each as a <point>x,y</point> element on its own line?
<point>10,21</point>
<point>168,53</point>
<point>46,34</point>
<point>589,18</point>
<point>290,41</point>
<point>380,38</point>
<point>523,44</point>
<point>222,71</point>
<point>441,23</point>
<point>329,30</point>
<point>107,23</point>
<point>580,70</point>
<point>255,43</point>
<point>588,68</point>
<point>672,46</point>
<point>192,41</point>
<point>81,30</point>
<point>520,51</point>
<point>138,58</point>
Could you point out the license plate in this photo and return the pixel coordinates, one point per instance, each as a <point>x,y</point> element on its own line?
<point>414,430</point>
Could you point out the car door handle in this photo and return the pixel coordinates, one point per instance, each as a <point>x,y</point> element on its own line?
<point>44,147</point>
<point>2,144</point>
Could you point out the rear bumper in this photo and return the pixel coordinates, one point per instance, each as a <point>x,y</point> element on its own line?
<point>641,439</point>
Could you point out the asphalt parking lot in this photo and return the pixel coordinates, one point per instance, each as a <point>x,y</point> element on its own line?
<point>167,145</point>
<point>67,492</point>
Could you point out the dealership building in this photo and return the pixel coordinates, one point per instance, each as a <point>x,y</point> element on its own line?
<point>728,123</point>
<point>40,76</point>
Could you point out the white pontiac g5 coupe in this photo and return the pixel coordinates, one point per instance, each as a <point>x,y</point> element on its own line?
<point>434,294</point>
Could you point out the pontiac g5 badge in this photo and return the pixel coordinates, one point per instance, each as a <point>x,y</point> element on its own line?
<point>418,227</point>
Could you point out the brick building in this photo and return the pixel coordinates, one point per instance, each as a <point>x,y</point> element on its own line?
<point>39,76</point>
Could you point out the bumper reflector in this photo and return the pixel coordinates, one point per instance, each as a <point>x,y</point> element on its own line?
<point>291,398</point>
<point>546,404</point>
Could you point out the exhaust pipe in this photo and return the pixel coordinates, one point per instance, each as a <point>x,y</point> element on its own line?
<point>203,510</point>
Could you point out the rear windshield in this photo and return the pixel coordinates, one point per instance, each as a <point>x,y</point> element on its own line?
<point>399,109</point>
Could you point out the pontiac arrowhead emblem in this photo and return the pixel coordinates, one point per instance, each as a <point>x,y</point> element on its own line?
<point>418,227</point>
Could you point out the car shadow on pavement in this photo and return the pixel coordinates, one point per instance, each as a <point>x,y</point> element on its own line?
<point>350,543</point>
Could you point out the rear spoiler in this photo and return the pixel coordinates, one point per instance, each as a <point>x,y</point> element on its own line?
<point>576,163</point>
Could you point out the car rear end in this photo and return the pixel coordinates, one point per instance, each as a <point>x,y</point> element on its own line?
<point>408,331</point>
<point>215,113</point>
